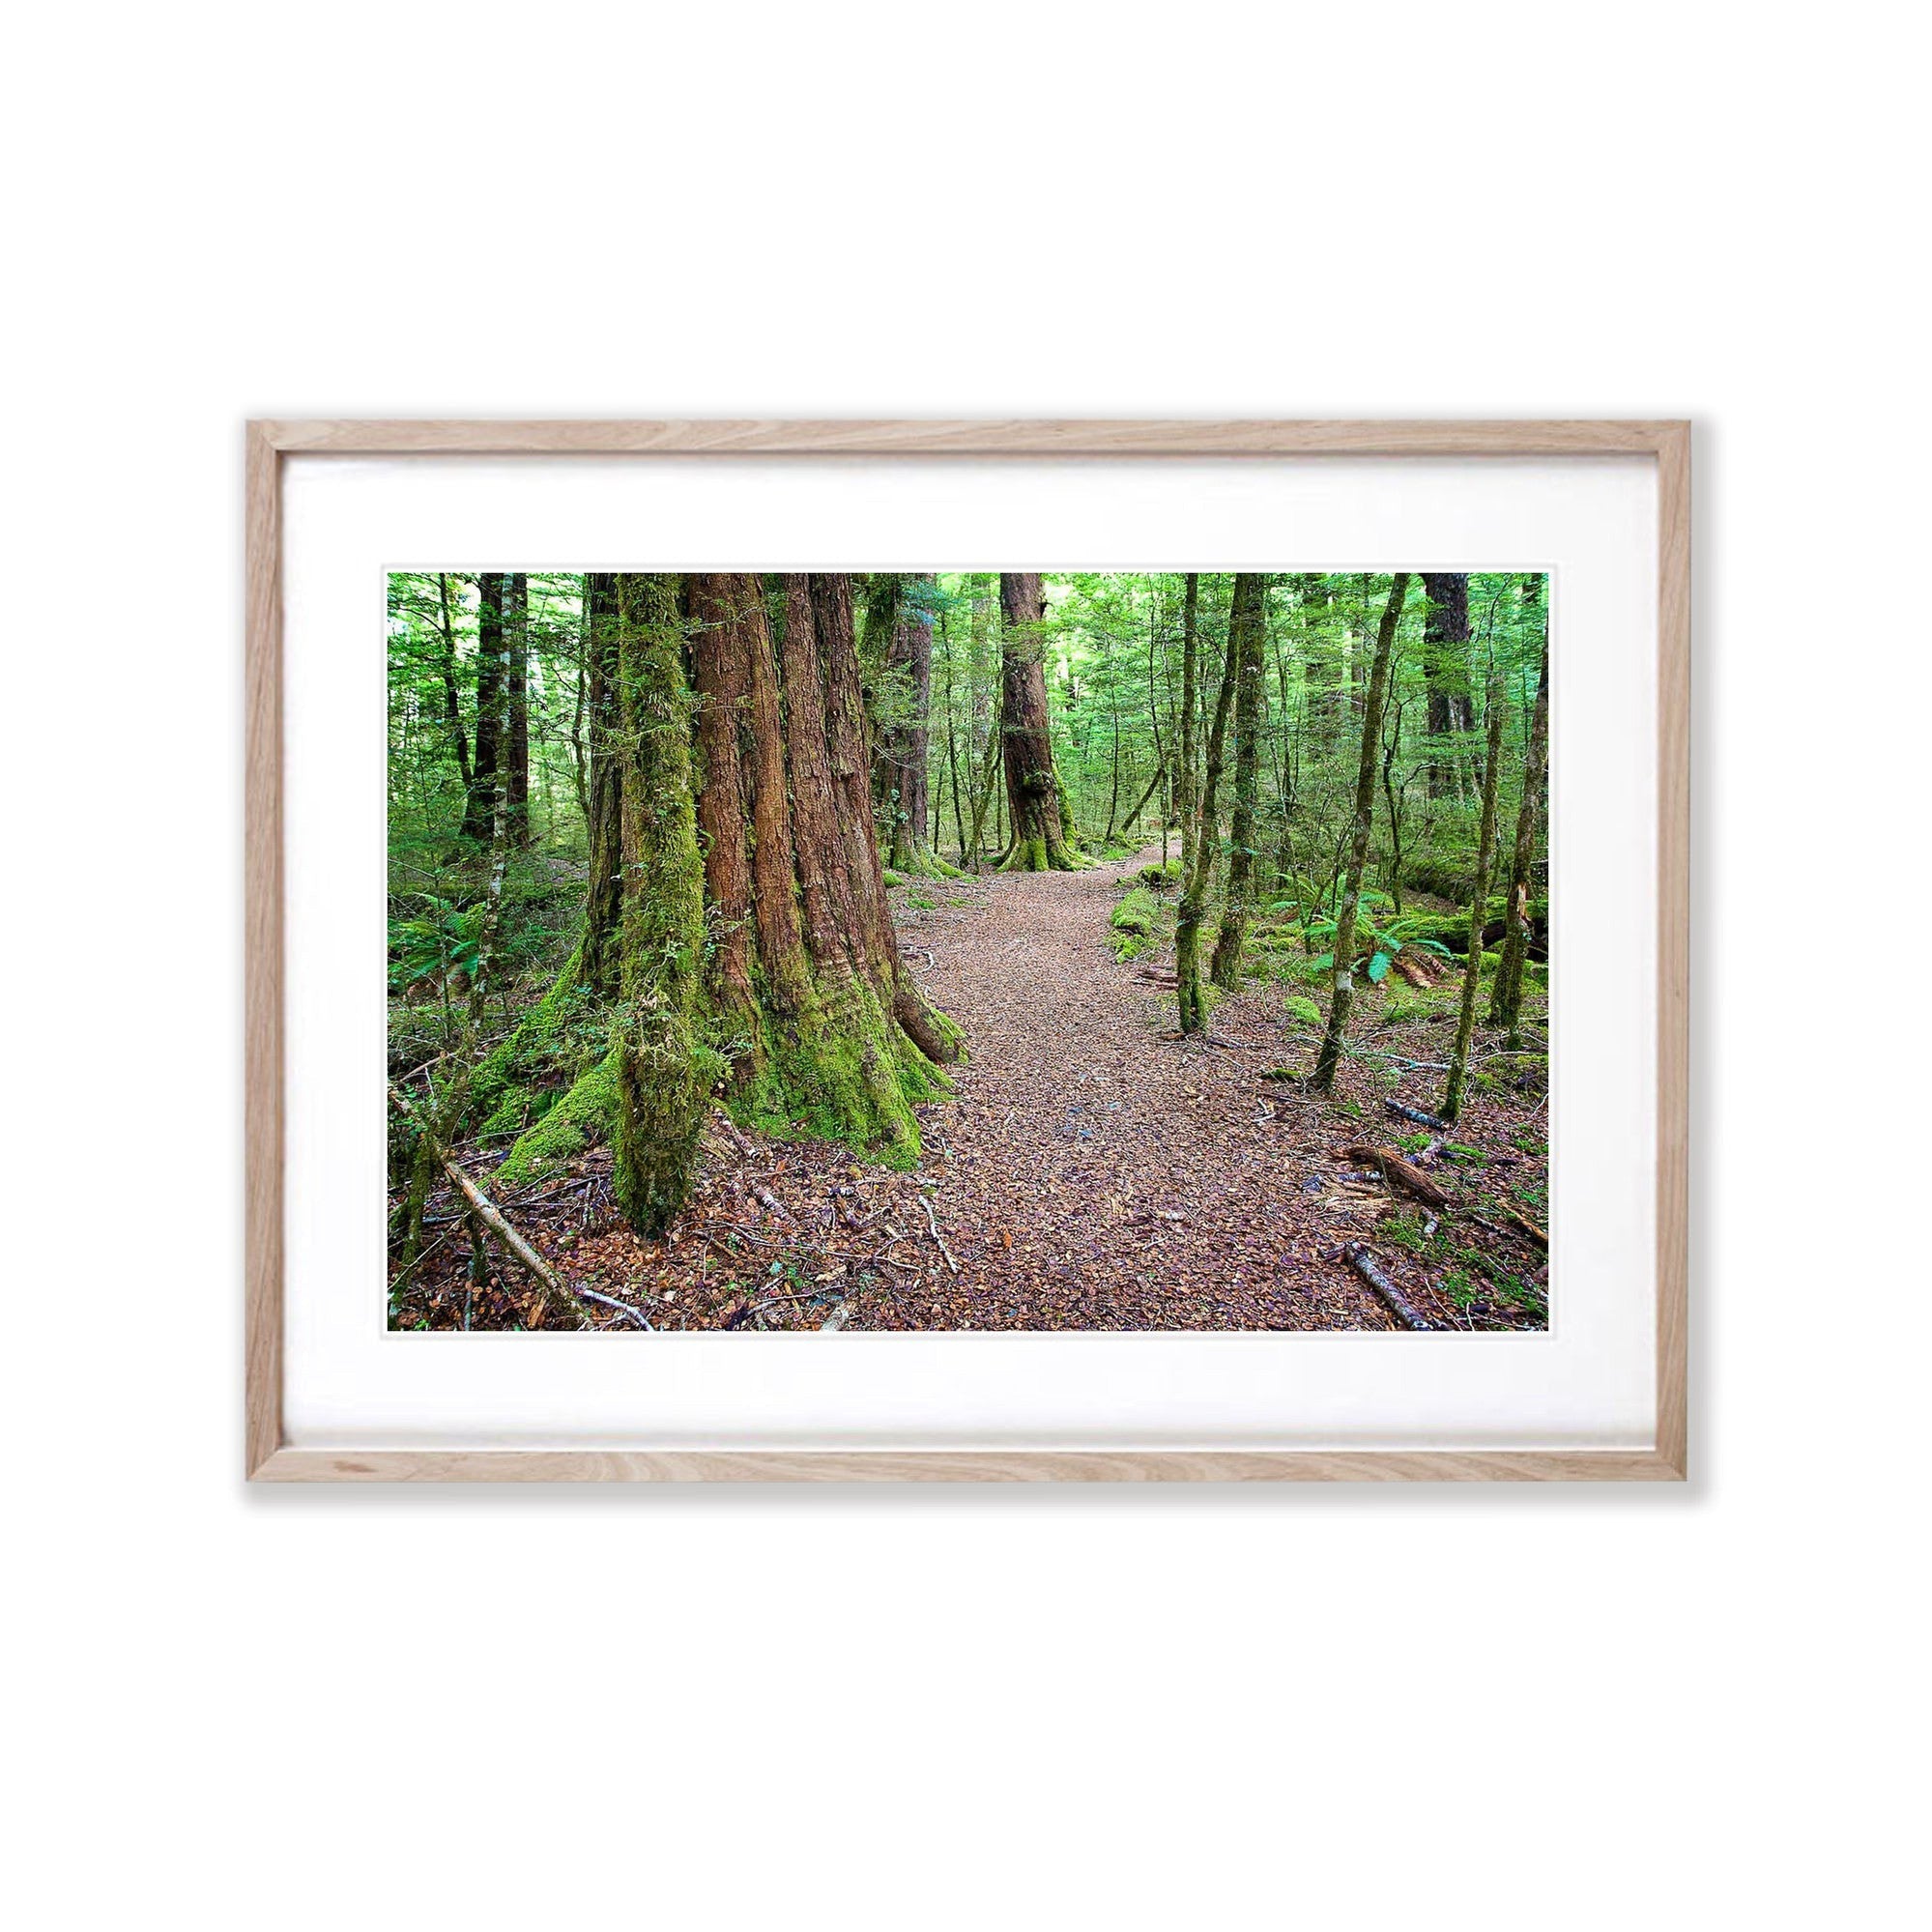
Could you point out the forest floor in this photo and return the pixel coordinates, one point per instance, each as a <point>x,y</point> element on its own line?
<point>1090,1170</point>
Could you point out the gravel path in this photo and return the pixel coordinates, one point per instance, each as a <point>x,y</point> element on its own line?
<point>1093,1174</point>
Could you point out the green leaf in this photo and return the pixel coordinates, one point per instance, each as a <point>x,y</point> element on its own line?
<point>1435,947</point>
<point>1378,968</point>
<point>1322,962</point>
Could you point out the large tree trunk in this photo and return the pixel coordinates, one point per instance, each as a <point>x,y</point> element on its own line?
<point>1247,632</point>
<point>516,702</point>
<point>1506,1007</point>
<point>1342,996</point>
<point>1472,977</point>
<point>1199,874</point>
<point>479,808</point>
<point>1039,842</point>
<point>824,1028</point>
<point>1444,663</point>
<point>791,976</point>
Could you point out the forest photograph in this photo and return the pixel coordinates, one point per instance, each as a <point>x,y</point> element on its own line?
<point>981,949</point>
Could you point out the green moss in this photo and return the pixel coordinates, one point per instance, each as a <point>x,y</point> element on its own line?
<point>585,1116</point>
<point>541,1044</point>
<point>922,901</point>
<point>1303,1010</point>
<point>1161,876</point>
<point>893,878</point>
<point>1136,913</point>
<point>842,1069</point>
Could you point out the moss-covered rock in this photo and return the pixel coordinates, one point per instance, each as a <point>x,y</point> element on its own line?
<point>1302,1010</point>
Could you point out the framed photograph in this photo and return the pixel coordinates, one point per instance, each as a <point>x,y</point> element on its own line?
<point>967,951</point>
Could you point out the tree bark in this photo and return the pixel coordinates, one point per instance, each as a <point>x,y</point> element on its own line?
<point>1343,996</point>
<point>1247,632</point>
<point>1039,842</point>
<point>1472,977</point>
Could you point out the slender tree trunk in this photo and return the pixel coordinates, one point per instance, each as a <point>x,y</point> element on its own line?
<point>1248,626</point>
<point>452,703</point>
<point>1445,660</point>
<point>516,695</point>
<point>1486,841</point>
<point>1506,1008</point>
<point>1032,791</point>
<point>480,806</point>
<point>1199,871</point>
<point>984,789</point>
<point>953,743</point>
<point>1113,800</point>
<point>904,746</point>
<point>660,1093</point>
<point>1154,718</point>
<point>598,962</point>
<point>1343,996</point>
<point>1184,774</point>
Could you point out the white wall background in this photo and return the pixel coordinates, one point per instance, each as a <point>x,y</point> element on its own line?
<point>897,1710</point>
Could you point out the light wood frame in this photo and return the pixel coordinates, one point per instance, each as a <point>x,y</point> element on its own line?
<point>268,1459</point>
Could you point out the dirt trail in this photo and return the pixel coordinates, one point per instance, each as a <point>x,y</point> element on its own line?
<point>1092,1173</point>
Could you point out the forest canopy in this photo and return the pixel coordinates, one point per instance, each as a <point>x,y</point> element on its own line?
<point>660,847</point>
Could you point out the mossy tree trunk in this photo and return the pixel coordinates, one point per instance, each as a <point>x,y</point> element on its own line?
<point>1247,626</point>
<point>1198,876</point>
<point>1507,1002</point>
<point>1444,663</point>
<point>516,708</point>
<point>767,961</point>
<point>660,1091</point>
<point>1472,973</point>
<point>1033,799</point>
<point>822,1025</point>
<point>480,802</point>
<point>1342,994</point>
<point>603,908</point>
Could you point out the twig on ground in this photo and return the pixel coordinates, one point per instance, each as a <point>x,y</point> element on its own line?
<point>952,1266</point>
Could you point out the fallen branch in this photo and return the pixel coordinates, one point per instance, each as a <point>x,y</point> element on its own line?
<point>1398,1304</point>
<point>1403,1173</point>
<point>732,1134</point>
<point>1416,1115</point>
<point>638,1315</point>
<point>1523,1225</point>
<point>952,1266</point>
<point>770,1201</point>
<point>547,1278</point>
